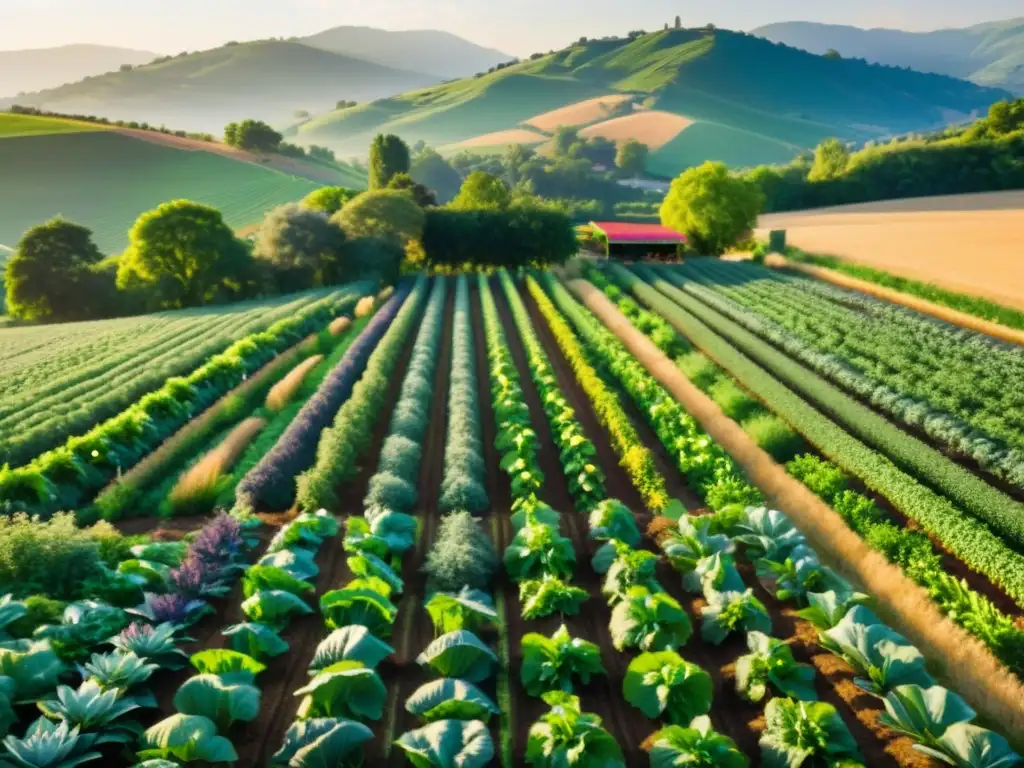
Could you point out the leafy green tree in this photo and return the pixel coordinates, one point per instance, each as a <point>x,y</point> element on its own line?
<point>303,246</point>
<point>566,136</point>
<point>711,207</point>
<point>388,214</point>
<point>632,157</point>
<point>435,173</point>
<point>184,255</point>
<point>482,192</point>
<point>831,158</point>
<point>600,150</point>
<point>46,276</point>
<point>328,200</point>
<point>516,156</point>
<point>253,136</point>
<point>389,155</point>
<point>403,182</point>
<point>832,53</point>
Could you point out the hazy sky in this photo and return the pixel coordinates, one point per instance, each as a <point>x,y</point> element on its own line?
<point>515,26</point>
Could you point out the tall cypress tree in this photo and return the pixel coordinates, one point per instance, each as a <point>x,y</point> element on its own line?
<point>389,155</point>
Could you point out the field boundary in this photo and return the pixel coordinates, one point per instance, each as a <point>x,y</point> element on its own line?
<point>976,673</point>
<point>964,320</point>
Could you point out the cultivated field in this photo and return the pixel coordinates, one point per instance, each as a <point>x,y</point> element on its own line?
<point>500,139</point>
<point>655,129</point>
<point>925,239</point>
<point>581,113</point>
<point>492,520</point>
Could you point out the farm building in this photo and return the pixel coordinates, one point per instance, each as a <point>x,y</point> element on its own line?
<point>635,242</point>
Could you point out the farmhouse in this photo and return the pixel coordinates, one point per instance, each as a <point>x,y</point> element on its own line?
<point>636,242</point>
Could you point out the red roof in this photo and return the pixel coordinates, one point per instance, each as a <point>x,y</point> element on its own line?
<point>621,232</point>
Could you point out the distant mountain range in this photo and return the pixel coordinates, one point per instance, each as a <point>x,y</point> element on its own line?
<point>35,69</point>
<point>988,54</point>
<point>270,79</point>
<point>745,100</point>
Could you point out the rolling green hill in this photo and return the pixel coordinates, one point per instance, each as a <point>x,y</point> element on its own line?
<point>38,68</point>
<point>989,54</point>
<point>105,179</point>
<point>204,91</point>
<point>772,99</point>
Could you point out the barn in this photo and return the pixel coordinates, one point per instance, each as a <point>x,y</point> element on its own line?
<point>637,242</point>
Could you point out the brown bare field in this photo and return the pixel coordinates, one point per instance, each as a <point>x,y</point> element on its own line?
<point>969,243</point>
<point>654,128</point>
<point>281,393</point>
<point>905,299</point>
<point>580,113</point>
<point>500,138</point>
<point>206,472</point>
<point>965,662</point>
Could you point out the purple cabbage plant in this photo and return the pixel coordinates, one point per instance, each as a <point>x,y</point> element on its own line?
<point>179,610</point>
<point>270,485</point>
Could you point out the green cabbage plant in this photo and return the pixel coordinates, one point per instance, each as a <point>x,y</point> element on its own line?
<point>771,662</point>
<point>649,621</point>
<point>118,671</point>
<point>459,654</point>
<point>924,714</point>
<point>965,745</point>
<point>450,699</point>
<point>346,689</point>
<point>255,639</point>
<point>549,595</point>
<point>695,746</point>
<point>631,568</point>
<point>728,612</point>
<point>353,643</point>
<point>186,739</point>
<point>663,684</point>
<point>801,733</point>
<point>359,605</point>
<point>448,744</point>
<point>470,609</point>
<point>567,736</point>
<point>537,550</point>
<point>90,709</point>
<point>49,745</point>
<point>826,609</point>
<point>554,663</point>
<point>322,741</point>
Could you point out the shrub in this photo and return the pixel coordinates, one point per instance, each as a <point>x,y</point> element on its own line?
<point>53,557</point>
<point>462,556</point>
<point>39,610</point>
<point>775,437</point>
<point>391,492</point>
<point>409,420</point>
<point>464,493</point>
<point>734,402</point>
<point>401,456</point>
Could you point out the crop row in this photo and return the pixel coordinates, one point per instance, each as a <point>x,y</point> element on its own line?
<point>575,452</point>
<point>634,456</point>
<point>958,409</point>
<point>911,550</point>
<point>463,486</point>
<point>60,408</point>
<point>967,538</point>
<point>347,439</point>
<point>270,485</point>
<point>67,477</point>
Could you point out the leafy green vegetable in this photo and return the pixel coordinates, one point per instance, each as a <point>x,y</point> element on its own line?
<point>371,566</point>
<point>10,611</point>
<point>552,663</point>
<point>322,741</point>
<point>767,533</point>
<point>156,644</point>
<point>728,612</point>
<point>186,738</point>
<point>882,657</point>
<point>611,519</point>
<point>797,732</point>
<point>459,654</point>
<point>383,533</point>
<point>469,609</point>
<point>696,746</point>
<point>222,701</point>
<point>255,639</point>
<point>631,568</point>
<point>968,746</point>
<point>826,609</point>
<point>269,577</point>
<point>664,684</point>
<point>50,745</point>
<point>924,714</point>
<point>799,573</point>
<point>537,550</point>
<point>649,621</point>
<point>448,744</point>
<point>771,661</point>
<point>366,607</point>
<point>274,607</point>
<point>716,573</point>
<point>450,699</point>
<point>345,689</point>
<point>566,736</point>
<point>147,574</point>
<point>119,670</point>
<point>91,709</point>
<point>299,563</point>
<point>353,643</point>
<point>529,510</point>
<point>232,666</point>
<point>32,665</point>
<point>549,594</point>
<point>693,541</point>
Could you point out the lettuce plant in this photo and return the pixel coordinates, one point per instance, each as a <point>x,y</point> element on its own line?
<point>767,533</point>
<point>611,519</point>
<point>826,609</point>
<point>553,663</point>
<point>298,562</point>
<point>450,699</point>
<point>155,644</point>
<point>695,746</point>
<point>185,738</point>
<point>799,732</point>
<point>448,744</point>
<point>548,595</point>
<point>882,657</point>
<point>32,665</point>
<point>274,607</point>
<point>255,639</point>
<point>322,741</point>
<point>353,643</point>
<point>148,574</point>
<point>716,573</point>
<point>91,709</point>
<point>649,621</point>
<point>664,685</point>
<point>566,736</point>
<point>382,532</point>
<point>346,689</point>
<point>168,553</point>
<point>119,671</point>
<point>371,566</point>
<point>363,606</point>
<point>924,714</point>
<point>964,745</point>
<point>728,612</point>
<point>459,654</point>
<point>227,664</point>
<point>692,541</point>
<point>799,573</point>
<point>222,700</point>
<point>537,550</point>
<point>771,662</point>
<point>49,745</point>
<point>529,510</point>
<point>268,577</point>
<point>469,609</point>
<point>631,568</point>
<point>83,626</point>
